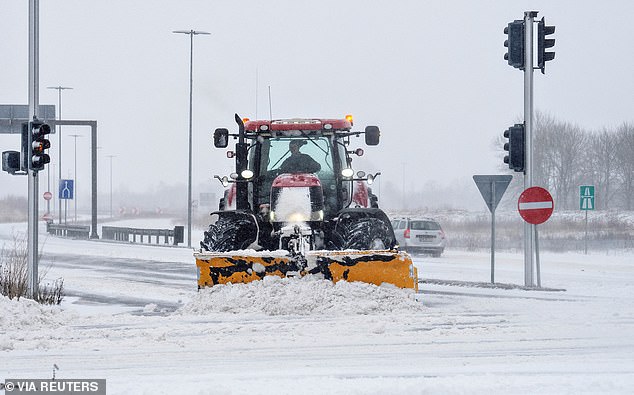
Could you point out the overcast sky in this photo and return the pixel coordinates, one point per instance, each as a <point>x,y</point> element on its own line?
<point>430,74</point>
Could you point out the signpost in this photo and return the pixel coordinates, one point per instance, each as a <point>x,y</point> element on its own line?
<point>66,191</point>
<point>492,188</point>
<point>47,196</point>
<point>586,203</point>
<point>586,198</point>
<point>520,55</point>
<point>12,116</point>
<point>535,205</point>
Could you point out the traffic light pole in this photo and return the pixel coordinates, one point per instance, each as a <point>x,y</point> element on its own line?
<point>529,229</point>
<point>32,230</point>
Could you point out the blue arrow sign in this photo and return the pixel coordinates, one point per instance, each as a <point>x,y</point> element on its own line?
<point>66,189</point>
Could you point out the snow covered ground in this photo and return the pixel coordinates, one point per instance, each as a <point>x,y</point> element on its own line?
<point>133,316</point>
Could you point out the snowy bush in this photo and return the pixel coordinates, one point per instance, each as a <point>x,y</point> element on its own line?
<point>13,275</point>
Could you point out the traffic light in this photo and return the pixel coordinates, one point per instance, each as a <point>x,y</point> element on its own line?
<point>515,147</point>
<point>515,44</point>
<point>34,145</point>
<point>543,43</point>
<point>11,162</point>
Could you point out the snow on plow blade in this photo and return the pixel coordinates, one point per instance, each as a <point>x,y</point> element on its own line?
<point>374,267</point>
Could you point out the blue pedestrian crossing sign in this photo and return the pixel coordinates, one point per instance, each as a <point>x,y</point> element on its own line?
<point>586,197</point>
<point>66,189</point>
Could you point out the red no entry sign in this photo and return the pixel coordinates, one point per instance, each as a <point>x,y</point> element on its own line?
<point>48,195</point>
<point>535,205</point>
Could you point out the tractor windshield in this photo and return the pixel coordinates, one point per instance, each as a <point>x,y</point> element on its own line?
<point>279,151</point>
<point>274,152</point>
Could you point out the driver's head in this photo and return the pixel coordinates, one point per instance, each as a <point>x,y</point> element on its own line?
<point>294,145</point>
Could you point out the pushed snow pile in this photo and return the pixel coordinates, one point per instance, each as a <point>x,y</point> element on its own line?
<point>302,296</point>
<point>25,313</point>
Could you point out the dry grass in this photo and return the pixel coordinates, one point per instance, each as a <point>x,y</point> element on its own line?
<point>562,233</point>
<point>13,275</point>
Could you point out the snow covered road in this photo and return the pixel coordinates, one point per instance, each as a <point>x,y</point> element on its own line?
<point>135,318</point>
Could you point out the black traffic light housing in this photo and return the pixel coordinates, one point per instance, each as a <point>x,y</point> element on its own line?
<point>34,145</point>
<point>515,147</point>
<point>543,43</point>
<point>11,162</point>
<point>515,44</point>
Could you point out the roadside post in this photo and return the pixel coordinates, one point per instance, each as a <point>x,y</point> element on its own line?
<point>586,203</point>
<point>520,55</point>
<point>535,206</point>
<point>66,192</point>
<point>492,188</point>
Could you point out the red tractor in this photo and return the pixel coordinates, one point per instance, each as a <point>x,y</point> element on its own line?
<point>296,206</point>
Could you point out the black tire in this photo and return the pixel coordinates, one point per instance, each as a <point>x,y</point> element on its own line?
<point>229,233</point>
<point>365,234</point>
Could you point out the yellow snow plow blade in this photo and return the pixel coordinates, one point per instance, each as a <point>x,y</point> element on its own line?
<point>374,267</point>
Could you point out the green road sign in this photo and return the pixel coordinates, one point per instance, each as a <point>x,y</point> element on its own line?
<point>586,197</point>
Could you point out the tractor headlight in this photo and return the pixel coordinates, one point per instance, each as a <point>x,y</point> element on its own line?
<point>297,217</point>
<point>246,174</point>
<point>317,215</point>
<point>370,179</point>
<point>347,172</point>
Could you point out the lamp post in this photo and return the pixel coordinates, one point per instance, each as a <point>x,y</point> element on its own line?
<point>111,156</point>
<point>403,185</point>
<point>75,174</point>
<point>59,131</point>
<point>191,34</point>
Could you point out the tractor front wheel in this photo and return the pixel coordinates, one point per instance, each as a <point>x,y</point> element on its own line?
<point>229,233</point>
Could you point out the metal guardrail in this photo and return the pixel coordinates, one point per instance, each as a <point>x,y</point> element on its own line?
<point>129,235</point>
<point>74,231</point>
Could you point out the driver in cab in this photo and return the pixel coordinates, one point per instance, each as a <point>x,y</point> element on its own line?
<point>299,162</point>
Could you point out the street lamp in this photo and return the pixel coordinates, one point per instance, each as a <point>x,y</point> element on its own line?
<point>75,174</point>
<point>59,130</point>
<point>191,34</point>
<point>403,184</point>
<point>111,156</point>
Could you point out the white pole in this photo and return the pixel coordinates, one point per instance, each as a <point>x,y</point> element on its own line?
<point>111,156</point>
<point>191,33</point>
<point>75,175</point>
<point>189,179</point>
<point>59,159</point>
<point>59,130</point>
<point>32,231</point>
<point>537,266</point>
<point>528,153</point>
<point>493,207</point>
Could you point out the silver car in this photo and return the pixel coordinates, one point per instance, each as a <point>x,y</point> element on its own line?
<point>422,235</point>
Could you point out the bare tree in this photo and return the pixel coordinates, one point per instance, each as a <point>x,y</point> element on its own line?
<point>545,126</point>
<point>566,156</point>
<point>600,166</point>
<point>625,158</point>
<point>559,158</point>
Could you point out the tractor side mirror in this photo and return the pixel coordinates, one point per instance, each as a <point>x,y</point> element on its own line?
<point>221,138</point>
<point>372,134</point>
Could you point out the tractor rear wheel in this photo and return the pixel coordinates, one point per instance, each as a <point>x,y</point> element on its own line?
<point>365,234</point>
